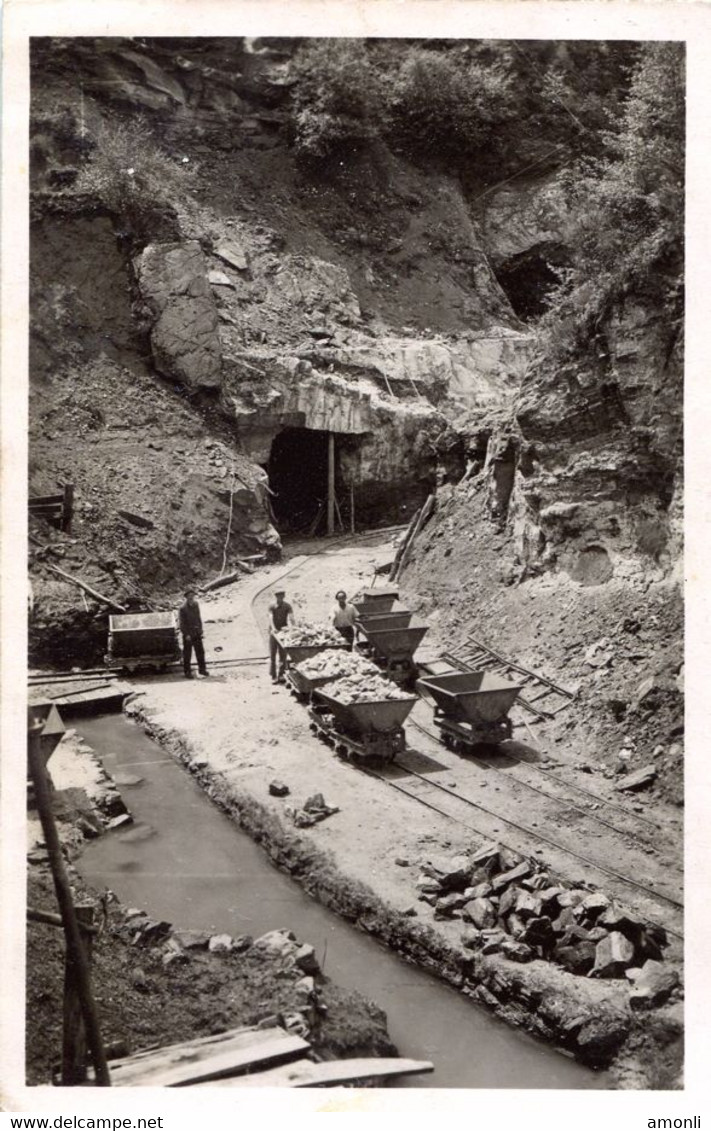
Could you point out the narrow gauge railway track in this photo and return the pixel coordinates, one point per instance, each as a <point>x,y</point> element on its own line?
<point>505,773</point>
<point>656,906</point>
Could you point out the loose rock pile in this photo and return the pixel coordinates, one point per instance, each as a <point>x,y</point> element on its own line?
<point>314,810</point>
<point>291,959</point>
<point>515,908</point>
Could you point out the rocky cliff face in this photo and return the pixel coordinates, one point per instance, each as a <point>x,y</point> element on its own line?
<point>214,291</point>
<point>561,546</point>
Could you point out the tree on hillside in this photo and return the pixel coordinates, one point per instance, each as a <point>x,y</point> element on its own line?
<point>629,208</point>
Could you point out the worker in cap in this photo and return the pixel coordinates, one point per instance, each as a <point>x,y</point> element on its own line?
<point>343,618</point>
<point>280,615</point>
<point>191,629</point>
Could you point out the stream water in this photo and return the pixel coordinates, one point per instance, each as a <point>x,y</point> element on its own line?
<point>184,861</point>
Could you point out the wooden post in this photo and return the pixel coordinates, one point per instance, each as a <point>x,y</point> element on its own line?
<point>352,511</point>
<point>68,508</point>
<point>72,933</point>
<point>331,483</point>
<point>74,1031</point>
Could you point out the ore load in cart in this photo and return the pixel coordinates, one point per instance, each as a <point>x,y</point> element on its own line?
<point>393,649</point>
<point>300,642</point>
<point>362,724</point>
<point>143,641</point>
<point>375,600</point>
<point>334,663</point>
<point>471,708</point>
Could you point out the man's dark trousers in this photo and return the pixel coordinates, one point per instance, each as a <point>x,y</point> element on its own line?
<point>190,642</point>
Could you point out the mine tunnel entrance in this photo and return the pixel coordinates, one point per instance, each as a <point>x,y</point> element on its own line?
<point>298,478</point>
<point>529,278</point>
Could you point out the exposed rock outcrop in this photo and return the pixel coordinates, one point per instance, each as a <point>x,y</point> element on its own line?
<point>172,279</point>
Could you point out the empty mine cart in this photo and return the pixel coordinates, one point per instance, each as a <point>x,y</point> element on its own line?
<point>396,618</point>
<point>143,640</point>
<point>371,730</point>
<point>375,600</point>
<point>471,708</point>
<point>393,649</point>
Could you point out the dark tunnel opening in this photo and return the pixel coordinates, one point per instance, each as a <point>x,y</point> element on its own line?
<point>529,279</point>
<point>298,478</point>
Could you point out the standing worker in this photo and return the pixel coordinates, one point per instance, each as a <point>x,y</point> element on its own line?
<point>191,628</point>
<point>280,614</point>
<point>344,618</point>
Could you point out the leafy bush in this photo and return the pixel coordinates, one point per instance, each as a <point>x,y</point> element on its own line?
<point>444,109</point>
<point>130,174</point>
<point>335,99</point>
<point>629,210</point>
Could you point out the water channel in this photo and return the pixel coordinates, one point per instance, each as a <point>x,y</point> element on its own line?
<point>184,861</point>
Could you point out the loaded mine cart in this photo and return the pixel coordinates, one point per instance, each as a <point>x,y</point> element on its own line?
<point>471,708</point>
<point>304,678</point>
<point>291,653</point>
<point>366,730</point>
<point>393,649</point>
<point>143,641</point>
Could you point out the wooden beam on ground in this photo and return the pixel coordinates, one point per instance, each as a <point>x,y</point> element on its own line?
<point>208,1058</point>
<point>310,1074</point>
<point>87,589</point>
<point>422,518</point>
<point>35,915</point>
<point>403,545</point>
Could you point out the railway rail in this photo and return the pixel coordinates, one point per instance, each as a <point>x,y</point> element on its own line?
<point>432,797</point>
<point>505,773</point>
<point>546,699</point>
<point>474,655</point>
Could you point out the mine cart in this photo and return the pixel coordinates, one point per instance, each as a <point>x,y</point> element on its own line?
<point>294,653</point>
<point>471,708</point>
<point>304,683</point>
<point>392,649</point>
<point>143,641</point>
<point>370,730</point>
<point>376,600</point>
<point>393,619</point>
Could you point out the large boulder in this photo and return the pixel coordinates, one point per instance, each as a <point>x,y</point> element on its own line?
<point>185,342</point>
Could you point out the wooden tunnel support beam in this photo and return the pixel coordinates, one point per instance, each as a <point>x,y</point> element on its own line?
<point>330,507</point>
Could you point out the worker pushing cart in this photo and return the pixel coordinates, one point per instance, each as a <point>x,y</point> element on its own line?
<point>344,618</point>
<point>280,615</point>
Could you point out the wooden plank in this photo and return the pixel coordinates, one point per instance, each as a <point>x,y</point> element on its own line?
<point>43,500</point>
<point>195,1061</point>
<point>212,1040</point>
<point>309,1074</point>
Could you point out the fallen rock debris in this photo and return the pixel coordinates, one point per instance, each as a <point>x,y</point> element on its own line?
<point>512,906</point>
<point>313,810</point>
